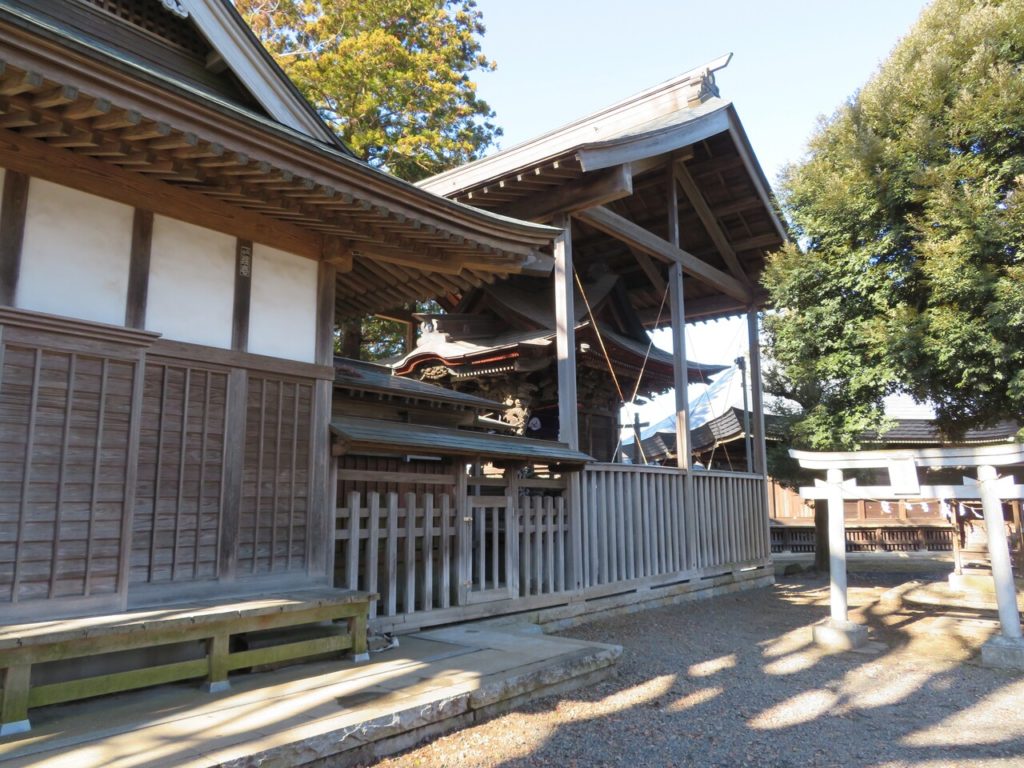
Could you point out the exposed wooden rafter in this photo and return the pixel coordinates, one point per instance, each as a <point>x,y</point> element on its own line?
<point>596,189</point>
<point>637,237</point>
<point>707,218</point>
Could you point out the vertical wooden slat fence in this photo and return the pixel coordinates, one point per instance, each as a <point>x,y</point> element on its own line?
<point>504,544</point>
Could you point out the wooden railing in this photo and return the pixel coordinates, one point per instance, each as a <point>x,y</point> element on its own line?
<point>868,538</point>
<point>642,522</point>
<point>491,545</point>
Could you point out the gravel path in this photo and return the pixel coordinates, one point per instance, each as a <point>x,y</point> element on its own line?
<point>733,681</point>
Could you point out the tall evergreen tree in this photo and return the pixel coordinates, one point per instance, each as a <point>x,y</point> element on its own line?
<point>391,76</point>
<point>907,271</point>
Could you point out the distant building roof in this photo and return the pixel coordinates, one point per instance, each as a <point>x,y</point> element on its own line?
<point>724,428</point>
<point>926,432</point>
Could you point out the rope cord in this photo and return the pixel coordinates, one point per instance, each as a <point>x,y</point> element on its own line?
<point>650,345</point>
<point>600,339</point>
<point>643,369</point>
<point>607,357</point>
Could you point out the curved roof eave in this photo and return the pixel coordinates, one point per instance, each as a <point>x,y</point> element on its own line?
<point>180,104</point>
<point>670,96</point>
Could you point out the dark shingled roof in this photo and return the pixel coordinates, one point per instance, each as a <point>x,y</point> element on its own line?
<point>926,432</point>
<point>370,377</point>
<point>721,429</point>
<point>374,434</point>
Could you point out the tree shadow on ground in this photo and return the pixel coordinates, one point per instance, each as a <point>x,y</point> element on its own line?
<point>735,680</point>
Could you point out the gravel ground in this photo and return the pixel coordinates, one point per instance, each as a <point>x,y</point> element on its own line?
<point>734,681</point>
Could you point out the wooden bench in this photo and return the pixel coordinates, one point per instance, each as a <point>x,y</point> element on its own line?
<point>213,623</point>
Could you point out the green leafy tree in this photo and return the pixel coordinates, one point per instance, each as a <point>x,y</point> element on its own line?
<point>391,76</point>
<point>907,272</point>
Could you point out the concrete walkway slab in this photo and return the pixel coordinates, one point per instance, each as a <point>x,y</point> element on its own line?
<point>434,682</point>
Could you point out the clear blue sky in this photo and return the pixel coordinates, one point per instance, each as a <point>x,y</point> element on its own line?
<point>793,59</point>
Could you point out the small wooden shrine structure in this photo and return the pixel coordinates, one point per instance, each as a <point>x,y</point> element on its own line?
<point>501,344</point>
<point>656,187</point>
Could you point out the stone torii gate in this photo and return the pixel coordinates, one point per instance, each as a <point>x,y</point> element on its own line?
<point>1005,649</point>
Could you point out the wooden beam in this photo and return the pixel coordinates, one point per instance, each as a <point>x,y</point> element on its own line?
<point>12,233</point>
<point>652,272</point>
<point>637,237</point>
<point>327,282</point>
<point>337,253</point>
<point>397,315</point>
<point>61,166</point>
<point>595,189</point>
<point>138,269</point>
<point>707,218</point>
<point>404,257</point>
<point>243,296</point>
<point>700,309</point>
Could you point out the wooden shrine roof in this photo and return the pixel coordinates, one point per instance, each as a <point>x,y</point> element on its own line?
<point>353,434</point>
<point>79,113</point>
<point>362,376</point>
<point>616,165</point>
<point>498,355</point>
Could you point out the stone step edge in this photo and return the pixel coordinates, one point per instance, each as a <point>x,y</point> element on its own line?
<point>403,729</point>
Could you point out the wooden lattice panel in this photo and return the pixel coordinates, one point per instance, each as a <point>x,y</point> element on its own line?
<point>151,16</point>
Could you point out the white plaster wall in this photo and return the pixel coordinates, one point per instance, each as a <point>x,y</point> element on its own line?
<point>75,254</point>
<point>282,314</point>
<point>191,283</point>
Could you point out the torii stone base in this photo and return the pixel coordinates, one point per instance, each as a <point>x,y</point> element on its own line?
<point>1003,652</point>
<point>839,635</point>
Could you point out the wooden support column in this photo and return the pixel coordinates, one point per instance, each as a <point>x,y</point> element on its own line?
<point>234,462</point>
<point>678,309</point>
<point>12,233</point>
<point>324,465</point>
<point>565,335</point>
<point>757,392</point>
<point>138,269</point>
<point>243,296</point>
<point>565,348</point>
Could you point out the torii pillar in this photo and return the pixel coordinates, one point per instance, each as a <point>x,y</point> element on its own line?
<point>838,631</point>
<point>1007,648</point>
